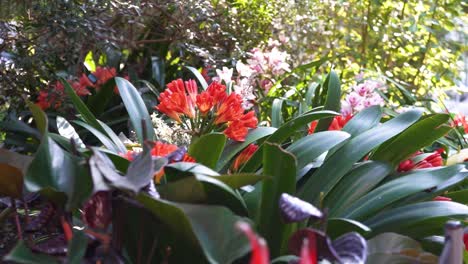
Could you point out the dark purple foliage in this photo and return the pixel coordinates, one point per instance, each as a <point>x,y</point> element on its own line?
<point>97,211</point>
<point>351,248</point>
<point>294,209</point>
<point>38,222</point>
<point>53,246</point>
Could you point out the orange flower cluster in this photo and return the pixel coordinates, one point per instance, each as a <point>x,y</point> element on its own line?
<point>243,157</point>
<point>53,96</point>
<point>212,109</point>
<point>433,160</point>
<point>337,124</point>
<point>160,149</point>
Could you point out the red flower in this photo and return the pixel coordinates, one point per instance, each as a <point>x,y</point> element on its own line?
<point>204,102</point>
<point>461,120</point>
<point>337,123</point>
<point>230,109</point>
<point>441,198</point>
<point>260,253</point>
<point>309,251</point>
<point>243,157</point>
<point>218,110</point>
<point>237,131</point>
<point>175,102</point>
<point>104,74</point>
<point>465,240</point>
<point>433,160</point>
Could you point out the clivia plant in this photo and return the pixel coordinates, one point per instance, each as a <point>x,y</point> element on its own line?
<point>330,195</point>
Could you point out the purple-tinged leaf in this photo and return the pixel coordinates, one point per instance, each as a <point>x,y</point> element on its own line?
<point>44,217</point>
<point>53,246</point>
<point>177,155</point>
<point>351,248</point>
<point>324,247</point>
<point>97,211</point>
<point>294,209</point>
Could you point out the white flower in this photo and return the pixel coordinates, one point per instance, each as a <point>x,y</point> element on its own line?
<point>224,75</point>
<point>244,70</point>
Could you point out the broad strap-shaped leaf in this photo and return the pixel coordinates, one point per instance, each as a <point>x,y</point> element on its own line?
<point>308,148</point>
<point>419,135</point>
<point>40,118</point>
<point>339,226</point>
<point>332,87</point>
<point>81,107</point>
<point>208,148</point>
<point>201,189</point>
<point>338,164</point>
<point>180,170</point>
<point>356,183</point>
<point>239,180</point>
<point>136,109</point>
<point>394,248</point>
<point>66,130</point>
<point>420,219</point>
<point>234,147</point>
<point>281,167</point>
<point>22,254</point>
<point>363,121</point>
<point>283,133</point>
<point>102,137</point>
<point>199,77</point>
<point>209,228</point>
<point>276,112</point>
<point>77,248</point>
<point>398,189</point>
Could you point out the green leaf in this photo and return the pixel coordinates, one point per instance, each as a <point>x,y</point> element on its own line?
<point>308,148</point>
<point>283,133</point>
<point>180,170</point>
<point>459,196</point>
<point>40,118</point>
<point>363,121</point>
<point>337,165</point>
<point>203,190</point>
<point>55,170</point>
<point>114,137</point>
<point>22,254</point>
<point>421,134</point>
<point>409,219</point>
<point>358,182</point>
<point>136,109</point>
<point>199,77</point>
<point>98,102</point>
<point>395,248</point>
<point>340,226</point>
<point>11,181</point>
<point>84,111</point>
<point>398,189</point>
<point>276,113</point>
<point>77,248</point>
<point>199,149</point>
<point>66,130</point>
<point>238,180</point>
<point>281,167</point>
<point>333,99</point>
<point>206,227</point>
<point>101,136</point>
<point>234,147</point>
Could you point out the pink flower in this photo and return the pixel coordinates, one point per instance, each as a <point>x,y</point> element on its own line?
<point>224,75</point>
